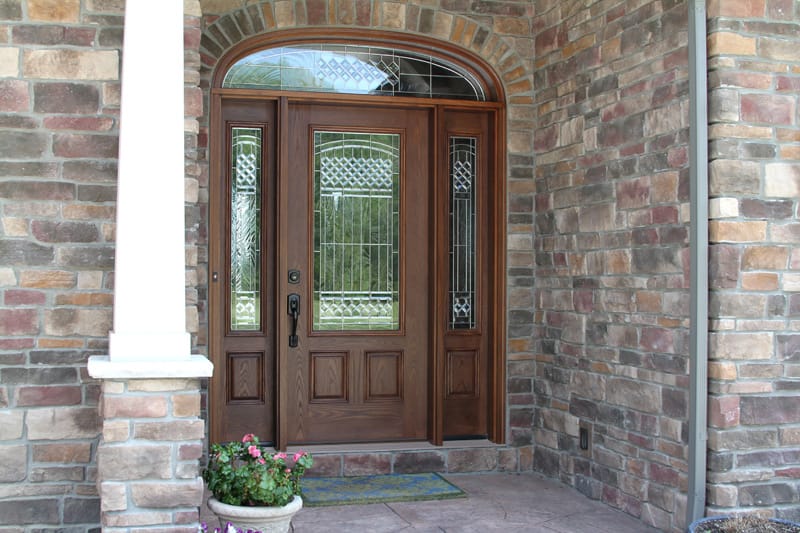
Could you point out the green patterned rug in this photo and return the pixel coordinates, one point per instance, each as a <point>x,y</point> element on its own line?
<point>377,489</point>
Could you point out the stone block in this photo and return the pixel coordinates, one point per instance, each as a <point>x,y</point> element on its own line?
<point>73,98</point>
<point>80,452</point>
<point>13,463</point>
<point>116,430</point>
<point>367,464</point>
<point>52,395</point>
<point>47,279</point>
<point>756,410</point>
<point>121,462</point>
<point>641,396</point>
<point>52,474</point>
<point>62,423</point>
<point>765,258</point>
<point>82,511</point>
<point>163,385</point>
<point>99,65</point>
<point>67,322</point>
<point>782,180</point>
<point>134,519</point>
<point>172,430</point>
<point>326,465</point>
<point>30,510</point>
<point>17,322</point>
<point>416,462</point>
<point>737,231</point>
<point>51,231</point>
<point>741,346</point>
<point>729,43</point>
<point>185,405</point>
<point>472,460</point>
<point>134,407</point>
<point>723,411</point>
<point>14,95</point>
<point>731,177</point>
<point>11,424</point>
<point>768,109</point>
<point>9,60</point>
<point>167,495</point>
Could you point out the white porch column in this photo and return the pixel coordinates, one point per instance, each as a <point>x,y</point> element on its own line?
<point>152,440</point>
<point>149,338</point>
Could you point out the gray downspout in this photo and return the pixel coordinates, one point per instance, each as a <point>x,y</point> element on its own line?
<point>698,238</point>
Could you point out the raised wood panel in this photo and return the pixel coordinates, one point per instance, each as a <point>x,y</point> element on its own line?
<point>461,374</point>
<point>245,373</point>
<point>384,377</point>
<point>329,376</point>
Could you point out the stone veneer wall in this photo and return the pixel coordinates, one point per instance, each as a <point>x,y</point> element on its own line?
<point>500,33</point>
<point>754,404</point>
<point>59,107</point>
<point>612,280</point>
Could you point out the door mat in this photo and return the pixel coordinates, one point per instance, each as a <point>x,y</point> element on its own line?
<point>377,489</point>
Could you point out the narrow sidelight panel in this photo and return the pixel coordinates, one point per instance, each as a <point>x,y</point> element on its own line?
<point>462,295</point>
<point>245,256</point>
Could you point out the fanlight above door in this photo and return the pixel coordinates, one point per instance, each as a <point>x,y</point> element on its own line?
<point>353,69</point>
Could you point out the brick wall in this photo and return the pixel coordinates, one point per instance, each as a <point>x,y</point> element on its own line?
<point>611,242</point>
<point>59,107</point>
<point>754,405</point>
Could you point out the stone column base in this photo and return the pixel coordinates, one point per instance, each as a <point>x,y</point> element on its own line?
<point>148,457</point>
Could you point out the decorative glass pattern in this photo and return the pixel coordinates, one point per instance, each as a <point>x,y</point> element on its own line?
<point>353,69</point>
<point>462,232</point>
<point>245,289</point>
<point>356,231</point>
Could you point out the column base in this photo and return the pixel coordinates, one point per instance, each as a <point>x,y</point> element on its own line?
<point>197,366</point>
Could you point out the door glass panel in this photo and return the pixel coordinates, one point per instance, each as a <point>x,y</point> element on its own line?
<point>462,232</point>
<point>245,266</point>
<point>356,231</point>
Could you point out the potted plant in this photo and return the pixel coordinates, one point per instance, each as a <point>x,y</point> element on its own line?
<point>253,488</point>
<point>743,524</point>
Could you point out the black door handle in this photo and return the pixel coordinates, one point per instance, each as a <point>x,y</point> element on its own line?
<point>293,308</point>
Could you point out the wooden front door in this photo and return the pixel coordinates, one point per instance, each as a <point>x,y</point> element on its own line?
<point>357,239</point>
<point>352,273</point>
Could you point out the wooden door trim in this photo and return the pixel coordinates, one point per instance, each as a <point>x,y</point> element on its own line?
<point>495,323</point>
<point>281,268</point>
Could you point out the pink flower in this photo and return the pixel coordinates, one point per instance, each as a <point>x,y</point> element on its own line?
<point>297,456</point>
<point>279,455</point>
<point>261,461</point>
<point>254,451</point>
<point>248,438</point>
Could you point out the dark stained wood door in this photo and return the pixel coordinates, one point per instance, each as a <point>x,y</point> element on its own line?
<point>381,223</point>
<point>358,202</point>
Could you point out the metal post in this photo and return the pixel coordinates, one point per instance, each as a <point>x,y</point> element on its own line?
<point>698,238</point>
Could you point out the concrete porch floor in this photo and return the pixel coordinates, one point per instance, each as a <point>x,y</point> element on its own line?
<point>496,502</point>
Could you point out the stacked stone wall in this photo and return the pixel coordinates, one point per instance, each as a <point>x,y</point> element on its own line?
<point>754,369</point>
<point>611,244</point>
<point>59,107</point>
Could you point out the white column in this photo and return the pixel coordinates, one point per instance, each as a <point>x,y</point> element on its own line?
<point>149,280</point>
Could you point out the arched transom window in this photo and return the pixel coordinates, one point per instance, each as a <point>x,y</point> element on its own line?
<point>354,69</point>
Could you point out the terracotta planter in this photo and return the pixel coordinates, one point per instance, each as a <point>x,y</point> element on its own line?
<point>264,519</point>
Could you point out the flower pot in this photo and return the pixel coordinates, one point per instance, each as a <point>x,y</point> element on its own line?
<point>714,523</point>
<point>264,519</point>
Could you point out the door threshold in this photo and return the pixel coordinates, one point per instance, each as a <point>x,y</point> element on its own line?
<point>399,446</point>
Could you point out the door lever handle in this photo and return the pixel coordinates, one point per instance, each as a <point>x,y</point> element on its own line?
<point>293,309</point>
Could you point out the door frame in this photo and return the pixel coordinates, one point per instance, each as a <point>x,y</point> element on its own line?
<point>495,293</point>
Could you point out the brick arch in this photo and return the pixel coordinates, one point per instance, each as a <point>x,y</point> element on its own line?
<point>222,32</point>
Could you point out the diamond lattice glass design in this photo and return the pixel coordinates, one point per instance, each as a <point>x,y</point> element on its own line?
<point>353,69</point>
<point>462,232</point>
<point>356,231</point>
<point>245,267</point>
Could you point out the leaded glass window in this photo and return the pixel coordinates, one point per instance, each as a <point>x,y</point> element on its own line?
<point>353,69</point>
<point>356,231</point>
<point>462,232</point>
<point>245,267</point>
